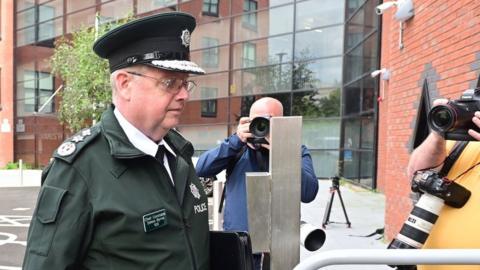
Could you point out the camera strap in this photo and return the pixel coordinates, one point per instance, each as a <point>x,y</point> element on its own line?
<point>452,157</point>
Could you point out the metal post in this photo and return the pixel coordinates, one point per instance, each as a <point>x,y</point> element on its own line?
<point>391,257</point>
<point>273,199</point>
<point>218,187</point>
<point>20,167</point>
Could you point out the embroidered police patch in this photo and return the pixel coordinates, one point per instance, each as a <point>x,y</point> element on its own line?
<point>155,220</point>
<point>194,191</point>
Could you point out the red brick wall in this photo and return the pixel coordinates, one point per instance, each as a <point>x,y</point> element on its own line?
<point>6,81</point>
<point>442,46</point>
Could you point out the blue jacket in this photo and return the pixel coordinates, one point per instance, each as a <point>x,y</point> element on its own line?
<point>216,160</point>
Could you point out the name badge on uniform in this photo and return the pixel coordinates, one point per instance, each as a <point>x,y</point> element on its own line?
<point>155,220</point>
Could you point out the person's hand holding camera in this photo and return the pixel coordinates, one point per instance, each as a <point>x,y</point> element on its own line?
<point>243,130</point>
<point>476,121</point>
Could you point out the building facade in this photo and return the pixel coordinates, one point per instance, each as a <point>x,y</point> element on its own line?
<point>314,56</point>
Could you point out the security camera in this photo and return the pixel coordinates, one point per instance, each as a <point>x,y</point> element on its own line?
<point>381,8</point>
<point>385,74</point>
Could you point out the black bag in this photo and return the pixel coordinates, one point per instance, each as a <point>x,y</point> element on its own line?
<point>230,251</point>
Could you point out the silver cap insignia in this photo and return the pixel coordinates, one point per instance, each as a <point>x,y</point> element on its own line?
<point>185,38</point>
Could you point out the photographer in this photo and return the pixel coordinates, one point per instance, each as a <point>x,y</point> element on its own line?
<point>238,155</point>
<point>455,227</point>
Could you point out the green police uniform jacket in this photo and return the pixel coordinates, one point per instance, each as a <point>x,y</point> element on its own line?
<point>105,205</point>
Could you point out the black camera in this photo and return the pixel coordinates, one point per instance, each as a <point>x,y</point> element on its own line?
<point>260,128</point>
<point>437,191</point>
<point>454,119</point>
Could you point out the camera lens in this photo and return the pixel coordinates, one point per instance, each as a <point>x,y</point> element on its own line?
<point>441,118</point>
<point>260,127</point>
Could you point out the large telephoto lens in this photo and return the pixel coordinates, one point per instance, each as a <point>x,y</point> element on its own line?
<point>442,118</point>
<point>419,223</point>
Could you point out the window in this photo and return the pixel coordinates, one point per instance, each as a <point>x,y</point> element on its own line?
<point>37,89</point>
<point>210,8</point>
<point>210,55</point>
<point>209,101</point>
<point>250,19</point>
<point>249,55</point>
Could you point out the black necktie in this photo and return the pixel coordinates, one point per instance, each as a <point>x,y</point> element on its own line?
<point>161,152</point>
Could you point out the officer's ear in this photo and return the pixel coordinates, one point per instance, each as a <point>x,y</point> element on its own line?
<point>122,82</point>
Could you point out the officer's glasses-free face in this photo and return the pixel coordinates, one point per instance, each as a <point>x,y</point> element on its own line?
<point>172,85</point>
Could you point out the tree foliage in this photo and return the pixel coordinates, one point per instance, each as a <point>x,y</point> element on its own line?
<point>86,92</point>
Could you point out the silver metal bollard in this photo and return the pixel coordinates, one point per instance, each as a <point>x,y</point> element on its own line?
<point>273,198</point>
<point>391,257</point>
<point>218,187</point>
<point>20,167</point>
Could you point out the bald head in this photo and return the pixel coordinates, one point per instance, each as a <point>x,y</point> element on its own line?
<point>266,106</point>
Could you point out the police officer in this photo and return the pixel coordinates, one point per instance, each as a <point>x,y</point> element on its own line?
<point>123,194</point>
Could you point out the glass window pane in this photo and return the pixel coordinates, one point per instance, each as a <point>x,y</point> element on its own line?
<point>219,30</point>
<point>324,73</point>
<point>80,20</point>
<point>50,10</point>
<point>24,4</point>
<point>350,164</point>
<point>268,51</point>
<point>368,132</point>
<point>26,18</point>
<point>361,60</point>
<point>351,99</point>
<point>149,5</point>
<point>270,22</point>
<point>353,5</point>
<point>321,133</point>
<point>262,80</point>
<point>319,103</point>
<point>212,59</point>
<point>216,80</point>
<point>314,13</point>
<point>362,24</point>
<point>325,163</point>
<point>368,94</point>
<point>319,43</point>
<point>74,5</point>
<point>25,36</point>
<point>50,29</point>
<point>116,10</point>
<point>352,133</point>
<point>204,137</point>
<point>367,161</point>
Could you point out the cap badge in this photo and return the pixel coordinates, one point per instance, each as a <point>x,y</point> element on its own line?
<point>185,38</point>
<point>194,191</point>
<point>66,149</point>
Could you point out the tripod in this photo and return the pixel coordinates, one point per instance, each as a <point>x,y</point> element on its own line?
<point>333,189</point>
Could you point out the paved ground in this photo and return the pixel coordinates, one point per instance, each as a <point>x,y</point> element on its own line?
<point>365,210</point>
<point>16,208</point>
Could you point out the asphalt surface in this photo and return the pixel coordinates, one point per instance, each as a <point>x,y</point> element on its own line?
<point>16,208</point>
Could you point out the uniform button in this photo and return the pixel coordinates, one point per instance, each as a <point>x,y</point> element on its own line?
<point>187,224</point>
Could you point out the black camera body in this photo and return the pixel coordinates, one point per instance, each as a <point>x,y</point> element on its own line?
<point>260,128</point>
<point>437,191</point>
<point>454,119</point>
<point>451,193</point>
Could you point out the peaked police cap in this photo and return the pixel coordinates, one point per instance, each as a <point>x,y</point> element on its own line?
<point>161,41</point>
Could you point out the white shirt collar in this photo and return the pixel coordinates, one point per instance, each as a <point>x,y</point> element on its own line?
<point>138,139</point>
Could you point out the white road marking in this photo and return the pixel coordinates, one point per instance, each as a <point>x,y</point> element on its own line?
<point>2,267</point>
<point>15,221</point>
<point>21,209</point>
<point>10,239</point>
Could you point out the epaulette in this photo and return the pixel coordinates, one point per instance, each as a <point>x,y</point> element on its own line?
<point>72,146</point>
<point>176,138</point>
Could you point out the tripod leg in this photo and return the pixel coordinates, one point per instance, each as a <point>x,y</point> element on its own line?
<point>344,210</point>
<point>328,209</point>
